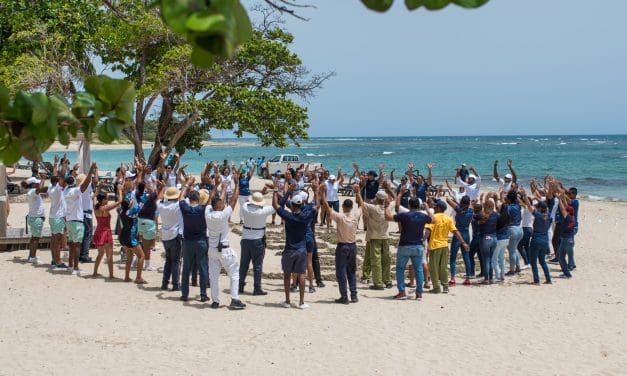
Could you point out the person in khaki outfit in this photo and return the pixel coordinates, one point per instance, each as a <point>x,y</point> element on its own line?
<point>378,239</point>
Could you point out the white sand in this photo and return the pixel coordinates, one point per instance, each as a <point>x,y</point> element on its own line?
<point>575,326</point>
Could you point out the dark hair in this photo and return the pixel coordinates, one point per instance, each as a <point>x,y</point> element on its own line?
<point>141,186</point>
<point>70,180</point>
<point>215,201</point>
<point>414,203</point>
<point>348,203</point>
<point>101,197</point>
<point>465,201</point>
<point>573,190</point>
<point>54,179</point>
<point>512,197</point>
<point>193,196</point>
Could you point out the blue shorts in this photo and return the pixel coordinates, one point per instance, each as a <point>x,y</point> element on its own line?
<point>294,261</point>
<point>147,228</point>
<point>36,225</point>
<point>57,226</point>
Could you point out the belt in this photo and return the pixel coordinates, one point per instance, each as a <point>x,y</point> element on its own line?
<point>87,211</point>
<point>252,228</point>
<point>346,243</point>
<point>74,220</point>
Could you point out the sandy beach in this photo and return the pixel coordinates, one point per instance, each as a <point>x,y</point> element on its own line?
<point>574,326</point>
<point>58,147</point>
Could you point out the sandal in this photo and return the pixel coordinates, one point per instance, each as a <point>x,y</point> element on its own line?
<point>140,281</point>
<point>452,282</point>
<point>411,285</point>
<point>128,280</point>
<point>466,282</point>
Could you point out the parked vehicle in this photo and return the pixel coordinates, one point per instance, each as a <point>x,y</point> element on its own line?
<point>280,163</point>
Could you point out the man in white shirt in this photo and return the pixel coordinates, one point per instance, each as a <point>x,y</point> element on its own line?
<point>36,214</point>
<point>88,210</point>
<point>506,182</point>
<point>171,233</point>
<point>57,216</point>
<point>254,214</point>
<point>332,193</point>
<point>220,253</point>
<point>472,184</point>
<point>75,215</point>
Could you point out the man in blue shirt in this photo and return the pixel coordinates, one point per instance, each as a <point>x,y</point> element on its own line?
<point>195,247</point>
<point>294,259</point>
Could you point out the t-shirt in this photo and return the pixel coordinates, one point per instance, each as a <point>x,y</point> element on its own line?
<point>254,217</point>
<point>171,219</point>
<point>74,204</point>
<point>463,218</point>
<point>527,219</point>
<point>194,224</point>
<point>541,228</point>
<point>377,225</point>
<point>227,179</point>
<point>472,190</point>
<point>35,204</point>
<point>440,227</point>
<point>488,228</point>
<point>244,186</point>
<point>568,226</point>
<point>515,216</point>
<point>412,227</point>
<point>88,204</point>
<point>295,228</point>
<point>506,186</point>
<point>346,225</point>
<point>370,189</point>
<point>502,232</point>
<point>575,204</point>
<point>421,191</point>
<point>332,189</point>
<point>57,201</point>
<point>218,226</point>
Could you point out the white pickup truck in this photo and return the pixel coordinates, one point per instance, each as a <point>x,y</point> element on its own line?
<point>281,161</point>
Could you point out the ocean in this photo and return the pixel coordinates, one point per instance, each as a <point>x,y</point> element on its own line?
<point>596,165</point>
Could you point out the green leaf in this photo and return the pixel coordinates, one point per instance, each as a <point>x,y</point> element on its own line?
<point>378,5</point>
<point>10,154</point>
<point>413,4</point>
<point>93,84</point>
<point>64,137</point>
<point>120,95</point>
<point>4,98</point>
<point>62,110</point>
<point>202,58</point>
<point>243,27</point>
<point>435,4</point>
<point>175,13</point>
<point>84,100</point>
<point>22,107</point>
<point>470,3</point>
<point>205,22</point>
<point>103,134</point>
<point>114,128</point>
<point>44,119</point>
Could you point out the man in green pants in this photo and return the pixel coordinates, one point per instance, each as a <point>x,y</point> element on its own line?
<point>438,231</point>
<point>378,244</point>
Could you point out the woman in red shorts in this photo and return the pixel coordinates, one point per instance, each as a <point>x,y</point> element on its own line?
<point>103,238</point>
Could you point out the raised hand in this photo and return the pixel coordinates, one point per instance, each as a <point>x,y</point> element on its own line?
<point>381,167</point>
<point>56,159</point>
<point>162,155</point>
<point>509,163</point>
<point>430,166</point>
<point>355,188</point>
<point>496,162</point>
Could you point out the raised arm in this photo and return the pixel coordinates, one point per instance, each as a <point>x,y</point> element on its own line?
<point>381,178</point>
<point>430,173</point>
<point>189,184</point>
<point>511,169</point>
<point>358,198</point>
<point>340,176</point>
<point>235,194</point>
<point>87,180</point>
<point>495,172</point>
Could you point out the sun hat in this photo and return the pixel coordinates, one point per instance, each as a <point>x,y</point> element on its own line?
<point>204,197</point>
<point>172,193</point>
<point>256,198</point>
<point>381,195</point>
<point>32,180</point>
<point>80,179</point>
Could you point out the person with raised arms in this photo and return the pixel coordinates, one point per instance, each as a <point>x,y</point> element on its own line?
<point>36,213</point>
<point>472,185</point>
<point>507,181</point>
<point>57,213</point>
<point>103,237</point>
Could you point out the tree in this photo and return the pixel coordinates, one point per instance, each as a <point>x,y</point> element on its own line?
<point>250,93</point>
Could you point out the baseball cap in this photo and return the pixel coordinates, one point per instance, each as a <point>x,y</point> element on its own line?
<point>129,175</point>
<point>472,176</point>
<point>32,180</point>
<point>331,177</point>
<point>372,173</point>
<point>381,195</point>
<point>508,176</point>
<point>297,200</point>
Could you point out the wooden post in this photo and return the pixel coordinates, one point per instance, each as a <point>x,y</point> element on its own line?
<point>4,197</point>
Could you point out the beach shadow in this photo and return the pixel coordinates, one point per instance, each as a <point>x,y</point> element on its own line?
<point>18,260</point>
<point>151,288</point>
<point>115,280</point>
<point>267,305</point>
<point>191,302</point>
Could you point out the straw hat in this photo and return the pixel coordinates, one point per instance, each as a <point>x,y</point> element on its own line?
<point>204,197</point>
<point>80,179</point>
<point>172,193</point>
<point>257,199</point>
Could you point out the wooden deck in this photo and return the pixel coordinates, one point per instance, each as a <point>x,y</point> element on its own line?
<point>18,239</point>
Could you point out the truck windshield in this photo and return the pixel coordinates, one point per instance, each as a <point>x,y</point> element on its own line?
<point>276,158</point>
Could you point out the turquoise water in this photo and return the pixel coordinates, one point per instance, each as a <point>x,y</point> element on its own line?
<point>597,165</point>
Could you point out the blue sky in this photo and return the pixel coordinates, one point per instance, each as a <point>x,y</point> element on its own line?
<point>510,67</point>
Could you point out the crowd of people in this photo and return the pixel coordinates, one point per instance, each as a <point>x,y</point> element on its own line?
<point>194,217</point>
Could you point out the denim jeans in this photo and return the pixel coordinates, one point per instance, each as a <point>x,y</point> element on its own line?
<point>195,251</point>
<point>346,268</point>
<point>172,267</point>
<point>567,245</point>
<point>488,247</point>
<point>87,237</point>
<point>537,253</point>
<point>455,246</point>
<point>475,249</point>
<point>252,251</point>
<point>523,245</point>
<point>515,234</point>
<point>403,255</point>
<point>498,258</point>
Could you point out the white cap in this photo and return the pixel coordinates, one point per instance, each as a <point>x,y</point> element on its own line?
<point>304,195</point>
<point>129,175</point>
<point>32,180</point>
<point>297,200</point>
<point>473,176</point>
<point>463,164</point>
<point>331,177</point>
<point>508,176</point>
<point>381,195</point>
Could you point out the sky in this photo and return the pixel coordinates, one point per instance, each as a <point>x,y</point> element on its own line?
<point>510,67</point>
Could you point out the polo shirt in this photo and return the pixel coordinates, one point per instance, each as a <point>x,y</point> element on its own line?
<point>218,226</point>
<point>171,219</point>
<point>346,225</point>
<point>377,225</point>
<point>254,217</point>
<point>412,227</point>
<point>295,228</point>
<point>440,227</point>
<point>194,224</point>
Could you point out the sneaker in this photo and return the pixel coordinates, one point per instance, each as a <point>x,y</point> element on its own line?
<point>466,282</point>
<point>76,272</point>
<point>553,261</point>
<point>303,306</point>
<point>376,287</point>
<point>33,260</point>
<point>237,304</point>
<point>524,267</point>
<point>85,260</point>
<point>164,287</point>
<point>354,299</point>
<point>160,269</point>
<point>320,284</point>
<point>418,296</point>
<point>215,305</point>
<point>565,276</point>
<point>259,292</point>
<point>400,296</point>
<point>571,268</point>
<point>204,299</point>
<point>183,298</point>
<point>293,289</point>
<point>150,269</point>
<point>548,282</point>
<point>175,288</point>
<point>342,300</point>
<point>510,273</point>
<point>389,285</point>
<point>434,291</point>
<point>312,290</point>
<point>286,305</point>
<point>445,290</point>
